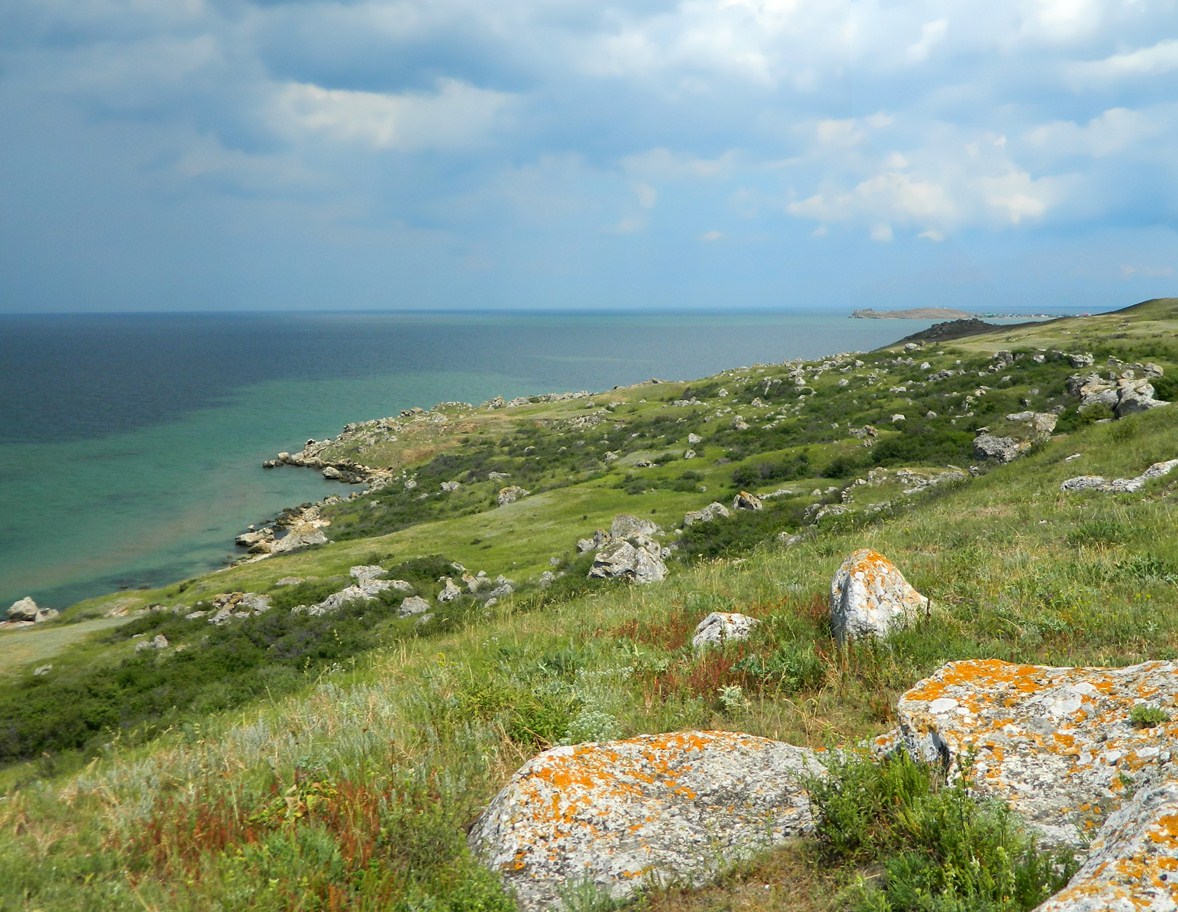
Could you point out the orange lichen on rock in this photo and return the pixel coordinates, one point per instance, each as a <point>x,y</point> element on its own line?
<point>624,813</point>
<point>869,597</point>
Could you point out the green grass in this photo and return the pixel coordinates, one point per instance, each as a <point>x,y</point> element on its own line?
<point>351,781</point>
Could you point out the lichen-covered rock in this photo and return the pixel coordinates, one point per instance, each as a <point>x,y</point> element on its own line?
<point>1056,744</point>
<point>1132,864</point>
<point>869,597</point>
<point>1135,395</point>
<point>366,572</point>
<point>657,808</point>
<point>707,514</point>
<point>721,626</point>
<point>641,562</point>
<point>627,526</point>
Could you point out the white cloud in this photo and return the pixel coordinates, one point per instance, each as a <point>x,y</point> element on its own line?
<point>1147,61</point>
<point>711,236</point>
<point>931,35</point>
<point>453,117</point>
<point>1108,134</point>
<point>663,164</point>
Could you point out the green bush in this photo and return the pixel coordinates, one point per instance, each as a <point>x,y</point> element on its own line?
<point>936,848</point>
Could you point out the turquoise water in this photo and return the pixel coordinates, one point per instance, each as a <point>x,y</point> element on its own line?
<point>130,445</point>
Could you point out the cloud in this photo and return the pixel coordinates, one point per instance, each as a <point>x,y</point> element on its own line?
<point>455,116</point>
<point>1154,60</point>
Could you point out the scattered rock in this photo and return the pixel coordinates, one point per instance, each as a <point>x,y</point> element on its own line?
<point>42,670</point>
<point>746,501</point>
<point>159,641</point>
<point>719,627</point>
<point>511,494</point>
<point>627,526</point>
<point>449,591</point>
<point>366,572</point>
<point>641,562</point>
<point>622,815</point>
<point>449,487</point>
<point>707,514</point>
<point>1135,396</point>
<point>414,604</point>
<point>1119,485</point>
<point>1003,449</point>
<point>869,597</point>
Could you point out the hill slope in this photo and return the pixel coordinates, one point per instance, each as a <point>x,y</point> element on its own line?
<point>317,760</point>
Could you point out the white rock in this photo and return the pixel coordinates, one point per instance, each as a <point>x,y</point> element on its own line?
<point>719,627</point>
<point>869,597</point>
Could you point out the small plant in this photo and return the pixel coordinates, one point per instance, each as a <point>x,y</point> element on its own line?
<point>1143,715</point>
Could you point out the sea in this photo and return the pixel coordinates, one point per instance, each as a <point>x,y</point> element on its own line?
<point>131,444</point>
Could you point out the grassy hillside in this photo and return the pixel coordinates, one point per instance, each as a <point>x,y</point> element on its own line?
<point>291,761</point>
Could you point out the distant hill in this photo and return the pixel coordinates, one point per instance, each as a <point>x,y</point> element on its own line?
<point>914,313</point>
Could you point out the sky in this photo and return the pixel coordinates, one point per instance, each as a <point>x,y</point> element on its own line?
<point>162,155</point>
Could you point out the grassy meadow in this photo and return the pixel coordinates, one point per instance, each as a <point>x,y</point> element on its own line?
<point>286,761</point>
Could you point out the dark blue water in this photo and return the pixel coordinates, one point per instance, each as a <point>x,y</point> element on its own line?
<point>130,445</point>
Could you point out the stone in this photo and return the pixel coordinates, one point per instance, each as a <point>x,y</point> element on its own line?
<point>46,614</point>
<point>24,609</point>
<point>449,487</point>
<point>1119,485</point>
<point>511,494</point>
<point>41,670</point>
<point>641,562</point>
<point>746,501</point>
<point>363,591</point>
<point>1081,359</point>
<point>1132,863</point>
<point>1056,744</point>
<point>366,572</point>
<point>627,526</point>
<point>694,439</point>
<point>1135,396</point>
<point>449,591</point>
<point>300,535</point>
<point>707,514</point>
<point>720,627</point>
<point>869,597</point>
<point>1003,449</point>
<point>413,605</point>
<point>621,815</point>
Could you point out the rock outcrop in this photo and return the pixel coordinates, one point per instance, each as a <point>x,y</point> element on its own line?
<point>707,514</point>
<point>720,627</point>
<point>1002,449</point>
<point>641,562</point>
<point>746,501</point>
<point>869,597</point>
<point>511,494</point>
<point>620,815</point>
<point>24,609</point>
<point>1119,485</point>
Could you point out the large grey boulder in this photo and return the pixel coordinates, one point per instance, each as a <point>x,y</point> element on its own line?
<point>627,526</point>
<point>869,597</point>
<point>1135,396</point>
<point>622,815</point>
<point>721,627</point>
<point>363,591</point>
<point>1003,449</point>
<point>641,561</point>
<point>1057,744</point>
<point>24,609</point>
<point>449,591</point>
<point>746,501</point>
<point>300,535</point>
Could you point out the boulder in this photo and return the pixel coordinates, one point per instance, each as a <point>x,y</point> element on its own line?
<point>449,487</point>
<point>363,591</point>
<point>1133,860</point>
<point>1003,449</point>
<point>621,815</point>
<point>24,609</point>
<point>511,494</point>
<point>300,535</point>
<point>414,604</point>
<point>746,501</point>
<point>869,597</point>
<point>46,614</point>
<point>627,526</point>
<point>720,626</point>
<point>641,562</point>
<point>1056,744</point>
<point>1135,396</point>
<point>449,591</point>
<point>366,572</point>
<point>707,514</point>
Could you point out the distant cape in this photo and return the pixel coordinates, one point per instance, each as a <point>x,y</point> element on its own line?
<point>915,313</point>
